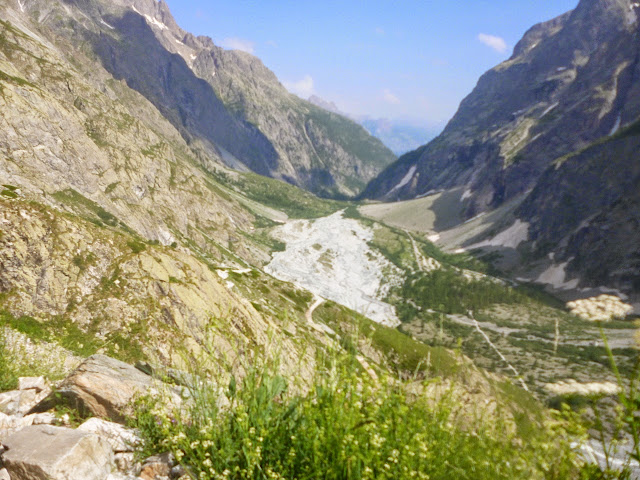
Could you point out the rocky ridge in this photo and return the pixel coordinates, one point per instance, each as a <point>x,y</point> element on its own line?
<point>226,103</point>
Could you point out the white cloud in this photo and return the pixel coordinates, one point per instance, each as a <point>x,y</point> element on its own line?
<point>235,43</point>
<point>303,88</point>
<point>390,97</point>
<point>497,43</point>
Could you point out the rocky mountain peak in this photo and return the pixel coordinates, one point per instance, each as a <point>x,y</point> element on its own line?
<point>226,104</point>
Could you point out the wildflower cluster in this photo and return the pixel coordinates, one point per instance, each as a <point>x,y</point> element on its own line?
<point>346,427</point>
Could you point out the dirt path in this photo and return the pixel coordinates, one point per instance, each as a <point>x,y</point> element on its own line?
<point>309,313</point>
<point>424,264</point>
<point>502,357</point>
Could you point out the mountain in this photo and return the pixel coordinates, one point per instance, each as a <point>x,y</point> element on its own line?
<point>225,103</point>
<point>399,137</point>
<point>555,123</point>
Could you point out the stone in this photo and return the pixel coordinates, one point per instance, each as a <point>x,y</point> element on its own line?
<point>44,452</point>
<point>4,475</point>
<point>20,402</point>
<point>101,386</point>
<point>120,438</point>
<point>10,402</point>
<point>157,466</point>
<point>11,424</point>
<point>32,383</point>
<point>178,472</point>
<point>126,462</point>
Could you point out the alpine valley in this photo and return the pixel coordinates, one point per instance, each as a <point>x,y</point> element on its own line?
<point>204,276</point>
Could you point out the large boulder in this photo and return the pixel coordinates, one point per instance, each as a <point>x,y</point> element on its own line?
<point>44,452</point>
<point>101,386</point>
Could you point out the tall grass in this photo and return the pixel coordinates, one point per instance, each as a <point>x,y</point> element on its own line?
<point>343,425</point>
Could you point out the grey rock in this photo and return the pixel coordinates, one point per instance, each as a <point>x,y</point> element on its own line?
<point>32,383</point>
<point>101,386</point>
<point>11,424</point>
<point>10,402</point>
<point>120,438</point>
<point>126,462</point>
<point>157,467</point>
<point>56,453</point>
<point>19,402</point>
<point>178,471</point>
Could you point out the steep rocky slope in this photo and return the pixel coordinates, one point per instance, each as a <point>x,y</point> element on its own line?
<point>584,215</point>
<point>226,103</point>
<point>550,119</point>
<point>569,82</point>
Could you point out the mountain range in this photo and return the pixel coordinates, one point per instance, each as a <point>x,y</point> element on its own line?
<point>553,128</point>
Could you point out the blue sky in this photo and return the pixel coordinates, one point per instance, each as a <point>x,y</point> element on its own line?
<point>411,61</point>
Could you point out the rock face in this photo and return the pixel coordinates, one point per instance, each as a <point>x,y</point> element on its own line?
<point>101,386</point>
<point>558,119</point>
<point>224,103</point>
<point>55,453</point>
<point>569,82</point>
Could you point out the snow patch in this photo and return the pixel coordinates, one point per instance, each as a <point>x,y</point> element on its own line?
<point>106,24</point>
<point>561,69</point>
<point>156,23</point>
<point>434,238</point>
<point>616,126</point>
<point>21,5</point>
<point>466,194</point>
<point>555,275</point>
<point>332,259</point>
<point>549,109</point>
<point>192,56</point>
<point>405,180</point>
<point>223,274</point>
<point>509,238</point>
<point>150,19</point>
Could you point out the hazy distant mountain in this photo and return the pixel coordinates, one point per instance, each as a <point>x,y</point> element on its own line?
<point>322,103</point>
<point>399,137</point>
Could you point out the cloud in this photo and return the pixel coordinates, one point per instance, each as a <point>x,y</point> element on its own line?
<point>390,97</point>
<point>303,88</point>
<point>497,43</point>
<point>235,43</point>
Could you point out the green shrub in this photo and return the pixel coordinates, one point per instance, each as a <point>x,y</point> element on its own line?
<point>346,427</point>
<point>136,246</point>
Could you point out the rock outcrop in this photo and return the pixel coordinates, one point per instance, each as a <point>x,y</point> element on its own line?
<point>225,104</point>
<point>43,446</point>
<point>104,387</point>
<point>47,452</point>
